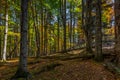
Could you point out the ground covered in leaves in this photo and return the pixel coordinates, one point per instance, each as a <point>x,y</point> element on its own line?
<point>60,67</point>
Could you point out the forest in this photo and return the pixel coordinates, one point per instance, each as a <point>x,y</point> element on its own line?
<point>59,39</point>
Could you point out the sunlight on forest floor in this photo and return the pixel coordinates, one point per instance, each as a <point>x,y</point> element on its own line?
<point>60,67</point>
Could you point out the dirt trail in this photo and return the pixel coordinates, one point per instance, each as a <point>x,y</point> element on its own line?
<point>51,69</point>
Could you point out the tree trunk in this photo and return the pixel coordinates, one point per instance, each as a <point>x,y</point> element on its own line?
<point>71,20</point>
<point>98,36</point>
<point>37,33</point>
<point>5,34</point>
<point>86,23</point>
<point>64,23</point>
<point>0,40</point>
<point>117,26</point>
<point>58,33</point>
<point>42,24</point>
<point>0,45</point>
<point>22,71</point>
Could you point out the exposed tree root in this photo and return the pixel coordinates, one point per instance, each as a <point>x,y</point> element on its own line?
<point>22,74</point>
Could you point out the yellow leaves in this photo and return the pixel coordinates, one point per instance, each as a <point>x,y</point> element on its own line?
<point>108,13</point>
<point>109,31</point>
<point>13,34</point>
<point>77,9</point>
<point>2,27</point>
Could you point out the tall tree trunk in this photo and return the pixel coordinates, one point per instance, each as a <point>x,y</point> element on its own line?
<point>22,71</point>
<point>0,40</point>
<point>71,20</point>
<point>58,33</point>
<point>0,45</point>
<point>1,37</point>
<point>29,37</point>
<point>42,25</point>
<point>98,36</point>
<point>117,26</point>
<point>64,23</point>
<point>37,33</point>
<point>36,27</point>
<point>15,42</point>
<point>45,31</point>
<point>5,34</point>
<point>86,23</point>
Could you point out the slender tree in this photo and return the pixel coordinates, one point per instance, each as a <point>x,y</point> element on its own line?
<point>64,23</point>
<point>0,42</point>
<point>71,20</point>
<point>6,32</point>
<point>0,34</point>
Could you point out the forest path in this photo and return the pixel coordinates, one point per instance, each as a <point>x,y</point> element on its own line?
<point>61,67</point>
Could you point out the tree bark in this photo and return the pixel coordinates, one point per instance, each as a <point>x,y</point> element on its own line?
<point>71,20</point>
<point>86,24</point>
<point>117,26</point>
<point>22,71</point>
<point>98,36</point>
<point>5,34</point>
<point>1,36</point>
<point>64,23</point>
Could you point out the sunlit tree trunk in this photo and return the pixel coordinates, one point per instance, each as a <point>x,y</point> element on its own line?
<point>5,33</point>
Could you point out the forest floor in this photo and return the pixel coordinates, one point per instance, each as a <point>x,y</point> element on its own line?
<point>60,67</point>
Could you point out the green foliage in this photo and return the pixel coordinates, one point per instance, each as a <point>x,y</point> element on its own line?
<point>13,34</point>
<point>2,27</point>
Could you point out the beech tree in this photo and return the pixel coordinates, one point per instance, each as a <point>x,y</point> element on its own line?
<point>6,32</point>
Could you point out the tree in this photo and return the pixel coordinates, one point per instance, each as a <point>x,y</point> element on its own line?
<point>22,71</point>
<point>6,32</point>
<point>64,22</point>
<point>37,33</point>
<point>0,34</point>
<point>117,30</point>
<point>86,23</point>
<point>98,36</point>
